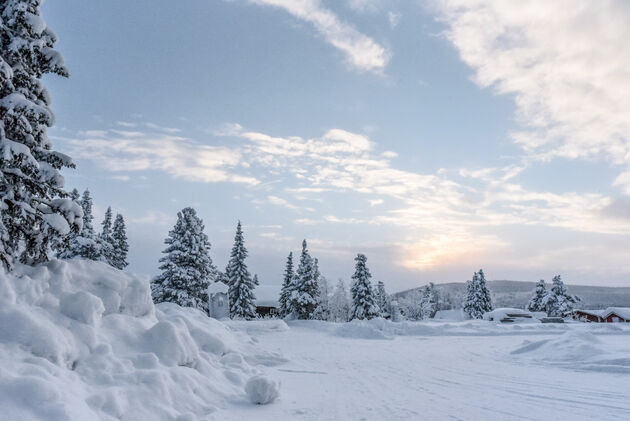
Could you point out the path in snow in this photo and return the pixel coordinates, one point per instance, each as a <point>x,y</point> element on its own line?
<point>433,378</point>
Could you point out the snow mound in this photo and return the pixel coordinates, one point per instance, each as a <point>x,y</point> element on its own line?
<point>570,346</point>
<point>262,390</point>
<point>80,340</point>
<point>578,350</point>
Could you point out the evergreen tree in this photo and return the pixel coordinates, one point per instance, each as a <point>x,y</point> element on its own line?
<point>85,244</point>
<point>339,304</point>
<point>382,300</point>
<point>557,301</point>
<point>430,301</point>
<point>241,285</point>
<point>106,240</point>
<point>322,311</point>
<point>536,302</point>
<point>35,213</point>
<point>186,266</point>
<point>121,246</point>
<point>305,289</point>
<point>478,300</point>
<point>363,302</point>
<point>287,287</point>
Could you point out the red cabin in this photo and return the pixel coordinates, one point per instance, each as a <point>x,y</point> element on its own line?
<point>593,316</point>
<point>617,315</point>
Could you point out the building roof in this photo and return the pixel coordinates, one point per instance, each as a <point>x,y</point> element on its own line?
<point>217,287</point>
<point>623,312</point>
<point>597,313</point>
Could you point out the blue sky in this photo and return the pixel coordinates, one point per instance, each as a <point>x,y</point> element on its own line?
<point>434,137</point>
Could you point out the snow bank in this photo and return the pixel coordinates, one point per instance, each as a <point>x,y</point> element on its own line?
<point>80,340</point>
<point>579,350</point>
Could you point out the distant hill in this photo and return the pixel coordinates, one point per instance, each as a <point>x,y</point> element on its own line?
<point>517,294</point>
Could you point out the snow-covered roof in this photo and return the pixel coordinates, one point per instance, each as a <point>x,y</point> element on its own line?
<point>624,312</point>
<point>217,287</point>
<point>598,313</point>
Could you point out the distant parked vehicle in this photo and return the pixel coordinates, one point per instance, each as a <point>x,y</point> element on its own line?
<point>512,315</point>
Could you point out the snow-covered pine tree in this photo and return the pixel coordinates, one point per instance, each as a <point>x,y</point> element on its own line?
<point>536,302</point>
<point>382,300</point>
<point>557,301</point>
<point>305,289</point>
<point>287,287</point>
<point>322,311</point>
<point>187,268</point>
<point>106,241</point>
<point>85,244</point>
<point>121,246</point>
<point>339,304</point>
<point>363,302</point>
<point>241,285</point>
<point>35,213</point>
<point>430,301</point>
<point>478,300</point>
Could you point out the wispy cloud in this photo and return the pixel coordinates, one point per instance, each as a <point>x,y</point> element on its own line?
<point>361,51</point>
<point>566,64</point>
<point>126,151</point>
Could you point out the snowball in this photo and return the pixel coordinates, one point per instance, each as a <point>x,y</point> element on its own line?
<point>262,390</point>
<point>82,306</point>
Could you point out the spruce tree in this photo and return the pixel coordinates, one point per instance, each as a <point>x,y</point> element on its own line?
<point>339,304</point>
<point>305,289</point>
<point>363,302</point>
<point>241,285</point>
<point>287,287</point>
<point>35,213</point>
<point>478,300</point>
<point>429,301</point>
<point>121,246</point>
<point>187,268</point>
<point>557,301</point>
<point>107,243</point>
<point>382,300</point>
<point>85,244</point>
<point>536,302</point>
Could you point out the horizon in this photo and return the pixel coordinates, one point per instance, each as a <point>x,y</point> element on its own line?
<point>422,138</point>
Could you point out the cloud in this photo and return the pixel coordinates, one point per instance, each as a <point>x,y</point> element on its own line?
<point>361,51</point>
<point>566,65</point>
<point>119,150</point>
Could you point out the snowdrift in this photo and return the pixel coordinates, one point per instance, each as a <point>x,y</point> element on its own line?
<point>80,340</point>
<point>578,350</point>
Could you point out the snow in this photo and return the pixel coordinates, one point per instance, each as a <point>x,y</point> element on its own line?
<point>217,287</point>
<point>619,311</point>
<point>512,314</point>
<point>80,340</point>
<point>262,390</point>
<point>440,370</point>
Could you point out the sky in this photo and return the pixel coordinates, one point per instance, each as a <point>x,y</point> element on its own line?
<point>436,137</point>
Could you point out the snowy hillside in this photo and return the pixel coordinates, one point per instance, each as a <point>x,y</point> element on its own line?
<point>517,293</point>
<point>80,340</point>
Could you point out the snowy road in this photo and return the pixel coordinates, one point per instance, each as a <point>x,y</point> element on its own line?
<point>431,378</point>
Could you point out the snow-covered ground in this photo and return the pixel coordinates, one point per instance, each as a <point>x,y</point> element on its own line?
<point>445,371</point>
<point>82,341</point>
